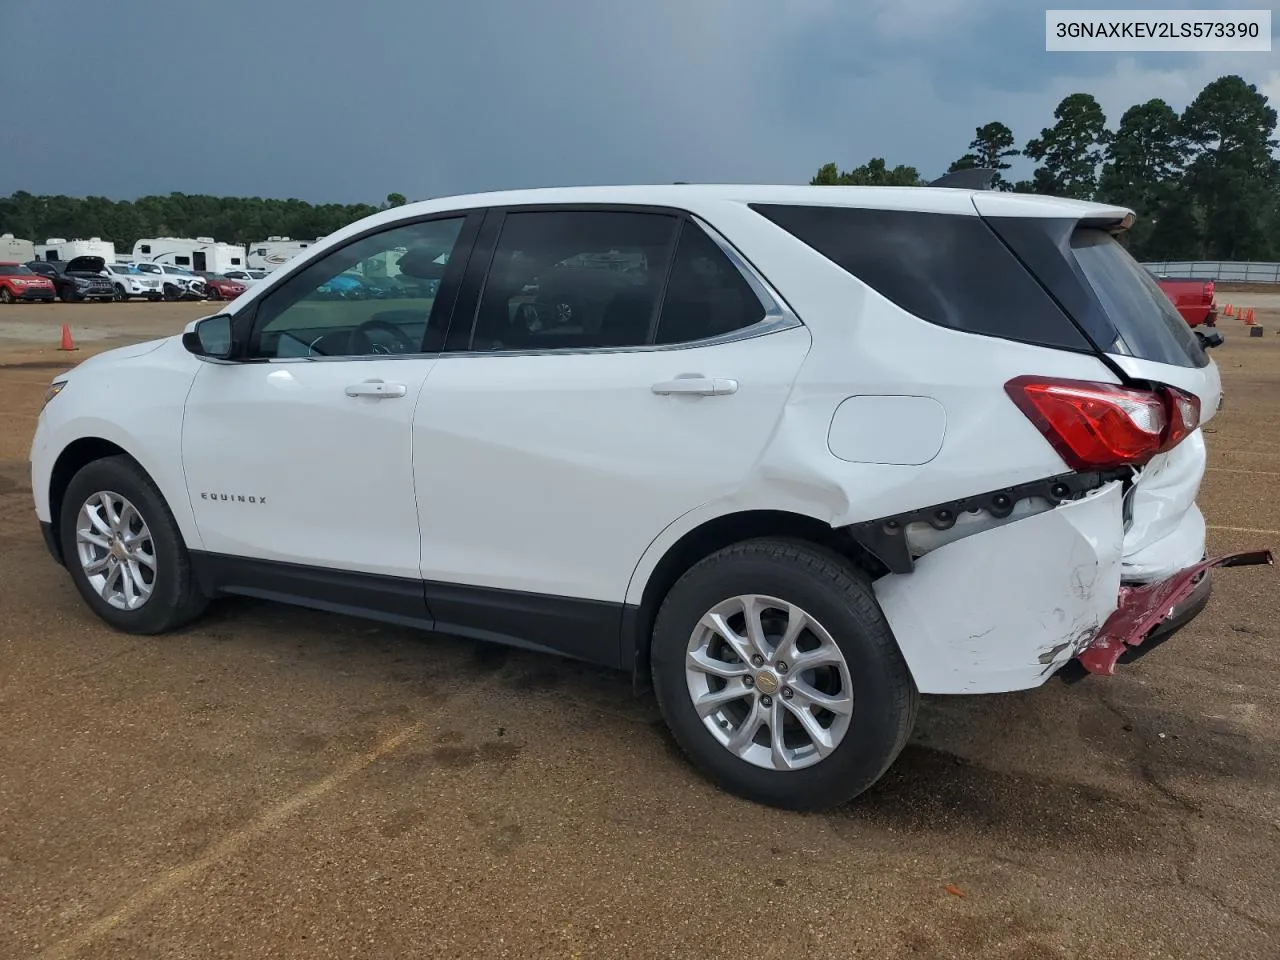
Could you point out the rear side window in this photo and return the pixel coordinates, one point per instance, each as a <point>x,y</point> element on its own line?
<point>574,280</point>
<point>706,294</point>
<point>948,269</point>
<point>1146,320</point>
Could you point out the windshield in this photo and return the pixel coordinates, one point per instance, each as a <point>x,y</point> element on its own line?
<point>15,270</point>
<point>1147,321</point>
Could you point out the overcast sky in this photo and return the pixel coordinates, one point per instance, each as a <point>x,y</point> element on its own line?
<point>345,101</point>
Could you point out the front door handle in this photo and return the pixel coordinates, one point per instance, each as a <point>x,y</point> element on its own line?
<point>697,386</point>
<point>377,389</point>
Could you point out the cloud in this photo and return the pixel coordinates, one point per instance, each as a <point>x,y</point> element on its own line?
<point>449,98</point>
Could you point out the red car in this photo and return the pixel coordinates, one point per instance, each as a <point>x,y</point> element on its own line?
<point>219,287</point>
<point>1194,299</point>
<point>20,282</point>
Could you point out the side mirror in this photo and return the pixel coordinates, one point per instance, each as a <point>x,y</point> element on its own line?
<point>210,337</point>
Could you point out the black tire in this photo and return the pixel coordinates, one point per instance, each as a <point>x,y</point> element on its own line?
<point>835,593</point>
<point>70,296</point>
<point>171,292</point>
<point>176,598</point>
<point>5,295</point>
<point>120,296</point>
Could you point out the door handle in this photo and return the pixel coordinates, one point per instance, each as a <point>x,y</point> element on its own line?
<point>697,386</point>
<point>377,389</point>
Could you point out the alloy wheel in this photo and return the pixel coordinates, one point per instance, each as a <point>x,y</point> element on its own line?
<point>115,550</point>
<point>769,682</point>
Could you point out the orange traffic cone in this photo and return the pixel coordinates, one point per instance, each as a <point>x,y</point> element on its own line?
<point>1251,321</point>
<point>1229,312</point>
<point>66,339</point>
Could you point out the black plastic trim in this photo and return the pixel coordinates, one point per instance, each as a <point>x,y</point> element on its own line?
<point>885,537</point>
<point>394,599</point>
<point>590,630</point>
<point>51,542</point>
<point>587,630</point>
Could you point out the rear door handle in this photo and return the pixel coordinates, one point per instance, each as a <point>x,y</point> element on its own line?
<point>377,389</point>
<point>697,386</point>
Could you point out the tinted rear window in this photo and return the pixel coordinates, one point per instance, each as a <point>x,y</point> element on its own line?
<point>949,269</point>
<point>1147,322</point>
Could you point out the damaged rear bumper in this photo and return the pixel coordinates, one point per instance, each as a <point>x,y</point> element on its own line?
<point>1152,612</point>
<point>1010,607</point>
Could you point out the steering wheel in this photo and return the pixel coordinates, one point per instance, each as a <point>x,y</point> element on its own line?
<point>400,342</point>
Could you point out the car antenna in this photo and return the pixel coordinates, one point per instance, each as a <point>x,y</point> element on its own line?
<point>973,178</point>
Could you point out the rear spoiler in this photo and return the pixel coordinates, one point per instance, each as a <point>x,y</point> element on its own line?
<point>973,178</point>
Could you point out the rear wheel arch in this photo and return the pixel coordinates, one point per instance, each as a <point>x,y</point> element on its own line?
<point>716,534</point>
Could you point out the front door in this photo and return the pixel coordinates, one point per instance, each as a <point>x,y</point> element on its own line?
<point>199,263</point>
<point>301,452</point>
<point>587,411</point>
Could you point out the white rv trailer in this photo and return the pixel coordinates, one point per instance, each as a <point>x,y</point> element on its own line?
<point>275,252</point>
<point>13,250</point>
<point>203,254</point>
<point>56,248</point>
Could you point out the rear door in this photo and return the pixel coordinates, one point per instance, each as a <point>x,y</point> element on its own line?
<point>580,410</point>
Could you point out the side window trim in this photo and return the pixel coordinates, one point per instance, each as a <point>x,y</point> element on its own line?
<point>778,313</point>
<point>252,318</point>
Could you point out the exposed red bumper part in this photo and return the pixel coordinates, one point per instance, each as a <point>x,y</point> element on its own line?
<point>1143,608</point>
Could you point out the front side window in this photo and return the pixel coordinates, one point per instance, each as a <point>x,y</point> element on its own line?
<point>574,280</point>
<point>372,297</point>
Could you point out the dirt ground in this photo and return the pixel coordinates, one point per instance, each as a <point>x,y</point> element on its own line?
<point>277,782</point>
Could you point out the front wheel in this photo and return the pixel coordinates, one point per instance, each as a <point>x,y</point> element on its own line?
<point>779,677</point>
<point>120,296</point>
<point>5,295</point>
<point>171,292</point>
<point>124,551</point>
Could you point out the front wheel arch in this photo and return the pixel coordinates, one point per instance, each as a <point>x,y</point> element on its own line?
<point>77,455</point>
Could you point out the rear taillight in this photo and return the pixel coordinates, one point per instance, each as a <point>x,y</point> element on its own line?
<point>1097,426</point>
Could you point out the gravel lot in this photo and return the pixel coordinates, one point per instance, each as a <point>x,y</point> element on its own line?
<point>278,782</point>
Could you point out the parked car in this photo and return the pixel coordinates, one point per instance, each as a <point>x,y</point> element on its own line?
<point>247,277</point>
<point>813,452</point>
<point>220,287</point>
<point>176,283</point>
<point>130,282</point>
<point>79,278</point>
<point>1194,300</point>
<point>19,282</point>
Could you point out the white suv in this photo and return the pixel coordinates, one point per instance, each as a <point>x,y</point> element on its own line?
<point>176,283</point>
<point>798,454</point>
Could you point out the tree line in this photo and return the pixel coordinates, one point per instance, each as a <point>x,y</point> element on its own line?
<point>1204,183</point>
<point>241,220</point>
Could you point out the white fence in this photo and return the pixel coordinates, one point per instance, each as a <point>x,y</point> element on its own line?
<point>1238,271</point>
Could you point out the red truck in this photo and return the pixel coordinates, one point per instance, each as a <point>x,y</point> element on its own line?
<point>1194,299</point>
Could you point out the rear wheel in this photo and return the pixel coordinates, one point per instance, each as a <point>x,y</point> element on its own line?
<point>124,551</point>
<point>779,676</point>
